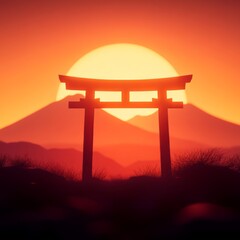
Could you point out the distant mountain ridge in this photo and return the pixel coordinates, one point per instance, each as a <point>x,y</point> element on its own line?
<point>68,160</point>
<point>193,124</point>
<point>57,126</point>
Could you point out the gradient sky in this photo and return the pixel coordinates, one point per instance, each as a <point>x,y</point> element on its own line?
<point>42,39</point>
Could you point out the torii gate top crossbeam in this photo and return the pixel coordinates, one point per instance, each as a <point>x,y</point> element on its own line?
<point>172,83</point>
<point>89,103</point>
<point>162,85</point>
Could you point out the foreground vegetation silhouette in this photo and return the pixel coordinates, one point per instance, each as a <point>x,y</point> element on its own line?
<point>201,200</point>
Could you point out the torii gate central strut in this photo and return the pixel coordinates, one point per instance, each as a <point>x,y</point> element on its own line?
<point>89,103</point>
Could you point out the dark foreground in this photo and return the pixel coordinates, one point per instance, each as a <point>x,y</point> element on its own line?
<point>198,204</point>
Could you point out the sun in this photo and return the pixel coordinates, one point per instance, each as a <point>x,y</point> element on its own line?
<point>123,61</point>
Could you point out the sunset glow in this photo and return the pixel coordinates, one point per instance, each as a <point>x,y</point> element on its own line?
<point>123,61</point>
<point>120,119</point>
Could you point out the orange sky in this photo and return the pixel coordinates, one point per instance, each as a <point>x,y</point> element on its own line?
<point>41,39</point>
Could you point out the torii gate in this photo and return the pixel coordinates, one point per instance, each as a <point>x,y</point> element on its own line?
<point>89,103</point>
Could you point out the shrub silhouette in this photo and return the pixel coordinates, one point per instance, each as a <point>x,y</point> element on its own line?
<point>192,162</point>
<point>99,174</point>
<point>149,170</point>
<point>232,162</point>
<point>135,208</point>
<point>199,158</point>
<point>21,161</point>
<point>3,160</point>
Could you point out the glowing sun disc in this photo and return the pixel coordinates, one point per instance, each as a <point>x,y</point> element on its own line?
<point>123,61</point>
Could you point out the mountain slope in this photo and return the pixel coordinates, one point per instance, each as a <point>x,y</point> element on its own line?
<point>64,160</point>
<point>57,125</point>
<point>194,124</point>
<point>126,154</point>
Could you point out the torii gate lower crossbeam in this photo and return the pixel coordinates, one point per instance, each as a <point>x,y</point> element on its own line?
<point>89,103</point>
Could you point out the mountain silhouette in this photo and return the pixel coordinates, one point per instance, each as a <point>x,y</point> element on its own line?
<point>62,160</point>
<point>58,126</point>
<point>126,154</point>
<point>193,124</point>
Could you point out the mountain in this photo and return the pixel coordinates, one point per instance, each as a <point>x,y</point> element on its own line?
<point>193,124</point>
<point>67,161</point>
<point>126,154</point>
<point>57,125</point>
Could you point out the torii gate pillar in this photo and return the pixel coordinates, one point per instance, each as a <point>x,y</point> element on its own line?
<point>166,170</point>
<point>89,103</point>
<point>88,138</point>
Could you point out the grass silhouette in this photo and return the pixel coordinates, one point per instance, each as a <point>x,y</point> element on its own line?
<point>99,174</point>
<point>198,159</point>
<point>3,160</point>
<point>202,200</point>
<point>148,170</point>
<point>21,161</point>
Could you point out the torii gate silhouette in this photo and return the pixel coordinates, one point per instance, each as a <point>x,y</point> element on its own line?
<point>89,103</point>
